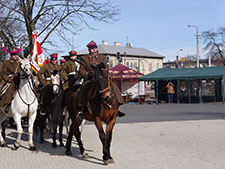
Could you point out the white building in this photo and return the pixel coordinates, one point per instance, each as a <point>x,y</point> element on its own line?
<point>139,59</point>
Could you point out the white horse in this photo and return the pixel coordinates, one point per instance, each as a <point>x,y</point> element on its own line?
<point>24,104</point>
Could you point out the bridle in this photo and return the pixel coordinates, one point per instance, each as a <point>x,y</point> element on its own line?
<point>103,91</point>
<point>28,77</point>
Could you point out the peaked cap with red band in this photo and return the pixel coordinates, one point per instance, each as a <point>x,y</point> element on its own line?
<point>14,52</point>
<point>92,45</point>
<point>62,61</point>
<point>54,56</point>
<point>73,53</point>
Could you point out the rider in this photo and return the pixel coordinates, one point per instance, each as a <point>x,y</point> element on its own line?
<point>93,59</point>
<point>10,75</point>
<point>71,68</point>
<point>44,74</point>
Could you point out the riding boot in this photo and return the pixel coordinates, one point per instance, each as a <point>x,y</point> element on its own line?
<point>120,114</point>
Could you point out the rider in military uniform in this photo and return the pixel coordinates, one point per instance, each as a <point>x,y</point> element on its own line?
<point>93,59</point>
<point>62,62</point>
<point>70,68</point>
<point>10,74</point>
<point>44,74</point>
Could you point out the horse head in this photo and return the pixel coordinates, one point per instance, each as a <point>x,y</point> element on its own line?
<point>55,80</point>
<point>25,66</point>
<point>101,77</point>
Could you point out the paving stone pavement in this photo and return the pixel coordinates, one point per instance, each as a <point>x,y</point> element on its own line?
<point>156,145</point>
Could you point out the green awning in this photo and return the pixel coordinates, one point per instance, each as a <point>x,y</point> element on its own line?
<point>185,73</point>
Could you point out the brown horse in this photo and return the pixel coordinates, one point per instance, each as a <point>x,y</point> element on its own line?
<point>102,108</point>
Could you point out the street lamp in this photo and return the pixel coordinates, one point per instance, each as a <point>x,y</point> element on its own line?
<point>74,33</point>
<point>197,39</point>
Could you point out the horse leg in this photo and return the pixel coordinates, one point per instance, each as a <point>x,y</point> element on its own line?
<point>60,132</point>
<point>54,145</point>
<point>3,117</point>
<point>104,139</point>
<point>78,138</point>
<point>30,131</point>
<point>69,140</point>
<point>42,127</point>
<point>3,128</point>
<point>109,130</point>
<point>17,119</point>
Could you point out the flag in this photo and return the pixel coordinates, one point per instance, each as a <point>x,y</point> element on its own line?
<point>37,56</point>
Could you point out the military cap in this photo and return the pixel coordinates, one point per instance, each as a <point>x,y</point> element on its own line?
<point>92,45</point>
<point>54,56</point>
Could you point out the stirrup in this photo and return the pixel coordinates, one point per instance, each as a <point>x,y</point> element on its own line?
<point>6,108</point>
<point>80,115</point>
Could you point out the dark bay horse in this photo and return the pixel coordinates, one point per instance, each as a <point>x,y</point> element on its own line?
<point>49,96</point>
<point>102,108</point>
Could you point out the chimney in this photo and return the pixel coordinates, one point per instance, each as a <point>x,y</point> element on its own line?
<point>117,44</point>
<point>104,42</point>
<point>128,45</point>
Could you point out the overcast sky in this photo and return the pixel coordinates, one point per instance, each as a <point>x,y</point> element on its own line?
<point>157,25</point>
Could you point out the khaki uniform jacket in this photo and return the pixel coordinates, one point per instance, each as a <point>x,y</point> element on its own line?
<point>46,72</point>
<point>9,68</point>
<point>85,67</point>
<point>87,61</point>
<point>69,68</point>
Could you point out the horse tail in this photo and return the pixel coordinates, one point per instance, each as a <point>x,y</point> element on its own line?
<point>57,110</point>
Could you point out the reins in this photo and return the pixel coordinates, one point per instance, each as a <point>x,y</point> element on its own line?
<point>30,85</point>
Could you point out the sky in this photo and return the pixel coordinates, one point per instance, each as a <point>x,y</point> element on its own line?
<point>157,25</point>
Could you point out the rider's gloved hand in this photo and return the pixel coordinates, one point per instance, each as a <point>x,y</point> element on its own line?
<point>90,76</point>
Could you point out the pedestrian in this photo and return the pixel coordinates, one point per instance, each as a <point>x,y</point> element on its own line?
<point>170,90</point>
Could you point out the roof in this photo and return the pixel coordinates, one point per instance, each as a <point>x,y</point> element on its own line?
<point>185,73</point>
<point>121,72</point>
<point>130,51</point>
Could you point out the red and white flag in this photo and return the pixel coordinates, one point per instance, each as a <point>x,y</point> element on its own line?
<point>37,56</point>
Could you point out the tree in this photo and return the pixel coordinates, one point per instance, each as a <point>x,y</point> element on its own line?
<point>49,18</point>
<point>215,44</point>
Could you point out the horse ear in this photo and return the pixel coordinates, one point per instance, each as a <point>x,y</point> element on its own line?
<point>55,72</point>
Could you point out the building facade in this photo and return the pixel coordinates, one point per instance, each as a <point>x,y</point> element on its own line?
<point>138,59</point>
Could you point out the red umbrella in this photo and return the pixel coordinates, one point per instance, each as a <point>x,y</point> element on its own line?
<point>121,72</point>
<point>124,77</point>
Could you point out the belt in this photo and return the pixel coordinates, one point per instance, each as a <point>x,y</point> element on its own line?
<point>72,73</point>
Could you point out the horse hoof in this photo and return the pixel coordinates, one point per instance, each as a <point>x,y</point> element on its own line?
<point>106,162</point>
<point>111,160</point>
<point>16,145</point>
<point>85,155</point>
<point>33,148</point>
<point>54,145</point>
<point>61,145</point>
<point>3,145</point>
<point>68,152</point>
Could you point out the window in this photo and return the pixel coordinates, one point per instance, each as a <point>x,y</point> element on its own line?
<point>127,64</point>
<point>135,66</point>
<point>131,65</point>
<point>110,64</point>
<point>150,67</point>
<point>157,65</point>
